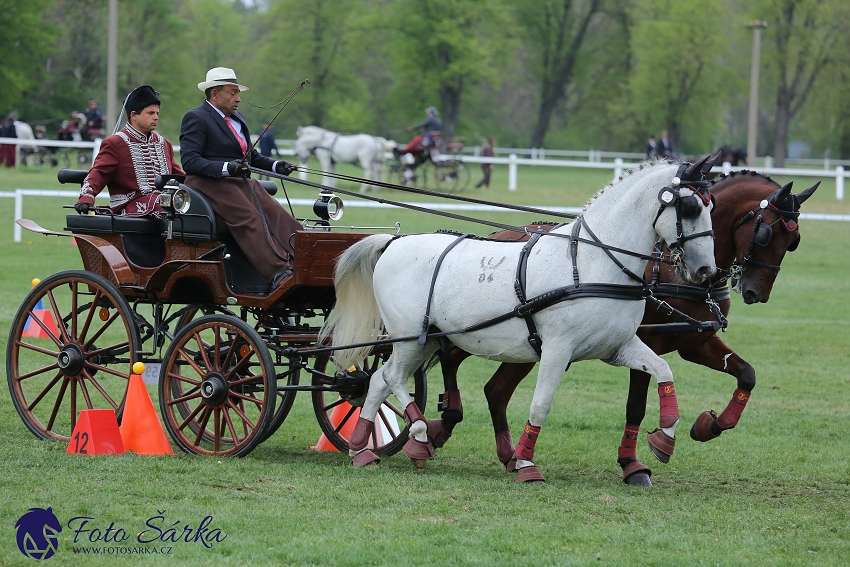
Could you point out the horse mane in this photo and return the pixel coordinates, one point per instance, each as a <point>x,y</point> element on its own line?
<point>641,167</point>
<point>738,174</point>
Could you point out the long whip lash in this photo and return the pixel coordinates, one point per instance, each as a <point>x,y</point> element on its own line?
<point>284,102</point>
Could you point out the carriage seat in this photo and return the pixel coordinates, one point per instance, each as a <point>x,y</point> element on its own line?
<point>110,224</point>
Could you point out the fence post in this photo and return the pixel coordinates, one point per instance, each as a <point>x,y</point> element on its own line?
<point>512,172</point>
<point>19,212</point>
<point>95,149</point>
<point>768,162</point>
<point>618,168</point>
<point>839,182</point>
<point>727,168</point>
<point>533,153</point>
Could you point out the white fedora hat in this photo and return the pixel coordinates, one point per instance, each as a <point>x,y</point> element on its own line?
<point>220,76</point>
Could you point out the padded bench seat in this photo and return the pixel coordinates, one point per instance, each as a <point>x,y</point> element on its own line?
<point>107,224</point>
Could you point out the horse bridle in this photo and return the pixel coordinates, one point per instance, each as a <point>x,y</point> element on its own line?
<point>763,234</point>
<point>687,207</point>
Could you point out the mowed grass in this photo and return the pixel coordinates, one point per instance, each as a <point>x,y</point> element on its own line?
<point>774,491</point>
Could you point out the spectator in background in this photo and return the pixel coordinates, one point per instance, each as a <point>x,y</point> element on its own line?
<point>94,121</point>
<point>7,151</point>
<point>651,148</point>
<point>486,168</point>
<point>267,143</point>
<point>665,146</point>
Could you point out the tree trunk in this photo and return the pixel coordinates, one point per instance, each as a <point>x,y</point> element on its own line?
<point>450,102</point>
<point>558,64</point>
<point>783,119</point>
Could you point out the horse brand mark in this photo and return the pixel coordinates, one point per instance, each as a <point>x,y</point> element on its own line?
<point>489,263</point>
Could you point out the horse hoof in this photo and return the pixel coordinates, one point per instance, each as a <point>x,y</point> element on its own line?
<point>701,429</point>
<point>419,452</point>
<point>365,458</point>
<point>661,444</point>
<point>638,479</point>
<point>510,466</point>
<point>530,475</point>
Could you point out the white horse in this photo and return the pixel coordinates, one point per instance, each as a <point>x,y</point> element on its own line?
<point>384,283</point>
<point>330,148</point>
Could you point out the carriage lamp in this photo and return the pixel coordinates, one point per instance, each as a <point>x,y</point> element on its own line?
<point>175,200</point>
<point>328,207</point>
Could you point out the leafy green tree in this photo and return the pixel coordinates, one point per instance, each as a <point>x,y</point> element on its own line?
<point>676,80</point>
<point>25,42</point>
<point>441,47</point>
<point>802,38</point>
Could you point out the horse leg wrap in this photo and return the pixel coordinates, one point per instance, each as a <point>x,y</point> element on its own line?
<point>628,446</point>
<point>730,416</point>
<point>418,451</point>
<point>360,436</point>
<point>527,441</point>
<point>669,405</point>
<point>365,458</point>
<point>505,449</point>
<point>439,430</point>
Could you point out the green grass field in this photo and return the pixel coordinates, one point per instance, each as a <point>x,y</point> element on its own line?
<point>775,491</point>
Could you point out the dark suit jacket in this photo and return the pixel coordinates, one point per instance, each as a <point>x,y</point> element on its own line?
<point>206,142</point>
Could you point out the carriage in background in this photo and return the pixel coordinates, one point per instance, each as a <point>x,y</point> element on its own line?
<point>179,295</point>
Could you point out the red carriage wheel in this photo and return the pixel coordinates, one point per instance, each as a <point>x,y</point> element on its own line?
<point>71,347</point>
<point>217,387</point>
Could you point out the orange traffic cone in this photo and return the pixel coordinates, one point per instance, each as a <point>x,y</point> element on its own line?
<point>73,241</point>
<point>96,433</point>
<point>141,429</point>
<point>337,416</point>
<point>32,329</point>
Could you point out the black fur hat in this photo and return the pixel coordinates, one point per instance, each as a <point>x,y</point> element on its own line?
<point>141,98</point>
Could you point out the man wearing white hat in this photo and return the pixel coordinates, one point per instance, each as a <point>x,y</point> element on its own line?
<point>214,142</point>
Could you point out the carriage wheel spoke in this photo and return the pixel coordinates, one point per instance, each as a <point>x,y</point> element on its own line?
<point>107,370</point>
<point>101,330</point>
<point>184,399</point>
<point>240,365</point>
<point>85,392</point>
<point>39,371</point>
<point>60,324</point>
<point>73,402</point>
<point>333,404</point>
<point>45,391</point>
<point>202,349</point>
<point>82,336</point>
<point>202,425</point>
<point>58,402</point>
<point>107,349</point>
<point>186,379</point>
<point>247,423</point>
<point>394,409</point>
<point>74,285</point>
<point>192,363</point>
<point>230,426</point>
<point>44,328</point>
<point>216,430</point>
<point>246,397</point>
<point>247,380</point>
<point>191,416</point>
<point>100,389</point>
<point>386,420</point>
<point>38,349</point>
<point>345,419</point>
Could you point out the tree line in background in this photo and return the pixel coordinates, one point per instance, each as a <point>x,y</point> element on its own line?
<point>571,74</point>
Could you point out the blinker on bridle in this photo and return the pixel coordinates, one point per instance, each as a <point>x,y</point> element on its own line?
<point>687,206</point>
<point>763,234</point>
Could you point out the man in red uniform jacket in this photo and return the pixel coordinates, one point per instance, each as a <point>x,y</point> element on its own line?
<point>128,161</point>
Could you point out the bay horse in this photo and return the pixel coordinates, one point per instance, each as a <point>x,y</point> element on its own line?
<point>463,289</point>
<point>331,148</point>
<point>755,224</point>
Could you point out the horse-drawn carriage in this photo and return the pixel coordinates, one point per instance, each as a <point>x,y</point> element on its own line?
<point>179,294</point>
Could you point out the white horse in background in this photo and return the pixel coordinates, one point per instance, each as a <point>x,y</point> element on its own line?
<point>330,148</point>
<point>384,284</point>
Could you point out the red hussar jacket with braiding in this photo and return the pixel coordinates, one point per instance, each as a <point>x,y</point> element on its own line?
<point>127,164</point>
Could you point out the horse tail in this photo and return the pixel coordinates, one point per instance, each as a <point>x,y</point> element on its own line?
<point>355,318</point>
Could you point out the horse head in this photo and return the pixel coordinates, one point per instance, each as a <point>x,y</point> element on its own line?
<point>688,205</point>
<point>762,238</point>
<point>306,142</point>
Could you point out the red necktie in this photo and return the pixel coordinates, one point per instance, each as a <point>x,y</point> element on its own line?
<point>239,139</point>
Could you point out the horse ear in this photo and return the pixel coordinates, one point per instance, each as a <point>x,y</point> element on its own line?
<point>710,162</point>
<point>695,168</point>
<point>806,193</point>
<point>781,197</point>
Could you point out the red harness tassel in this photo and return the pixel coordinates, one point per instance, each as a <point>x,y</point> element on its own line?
<point>525,447</point>
<point>628,446</point>
<point>669,405</point>
<point>730,416</point>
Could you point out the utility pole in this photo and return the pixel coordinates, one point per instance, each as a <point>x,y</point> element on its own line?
<point>111,69</point>
<point>752,123</point>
